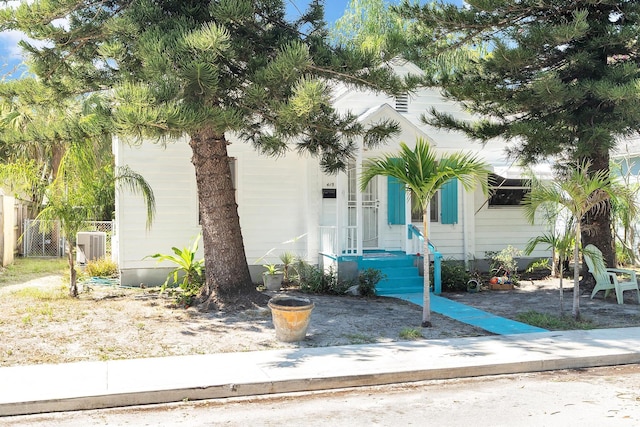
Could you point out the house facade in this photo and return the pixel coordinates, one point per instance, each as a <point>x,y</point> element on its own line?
<point>289,204</point>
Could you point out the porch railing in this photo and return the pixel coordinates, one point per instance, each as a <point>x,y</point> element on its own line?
<point>334,244</point>
<point>416,236</point>
<point>329,242</point>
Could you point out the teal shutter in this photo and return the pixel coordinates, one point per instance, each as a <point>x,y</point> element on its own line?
<point>396,201</point>
<point>449,199</point>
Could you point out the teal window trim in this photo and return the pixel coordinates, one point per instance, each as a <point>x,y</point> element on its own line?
<point>396,202</point>
<point>449,201</point>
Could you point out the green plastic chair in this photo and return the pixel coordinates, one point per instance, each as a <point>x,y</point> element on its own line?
<point>607,279</point>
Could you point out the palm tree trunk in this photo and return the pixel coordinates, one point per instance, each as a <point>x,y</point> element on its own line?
<point>575,312</point>
<point>426,299</point>
<point>561,290</point>
<point>73,280</point>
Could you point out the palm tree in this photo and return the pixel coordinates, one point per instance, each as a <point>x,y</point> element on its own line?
<point>72,198</point>
<point>423,173</point>
<point>560,243</point>
<point>579,192</point>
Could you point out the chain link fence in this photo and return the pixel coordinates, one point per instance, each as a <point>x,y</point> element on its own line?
<point>45,239</point>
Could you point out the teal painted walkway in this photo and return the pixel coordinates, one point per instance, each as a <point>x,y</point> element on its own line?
<point>470,315</point>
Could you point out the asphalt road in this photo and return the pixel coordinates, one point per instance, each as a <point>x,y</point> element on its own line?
<point>587,397</point>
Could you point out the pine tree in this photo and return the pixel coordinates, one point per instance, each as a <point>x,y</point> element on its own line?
<point>561,80</point>
<point>204,69</point>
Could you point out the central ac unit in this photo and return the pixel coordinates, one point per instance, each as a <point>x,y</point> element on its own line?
<point>91,245</point>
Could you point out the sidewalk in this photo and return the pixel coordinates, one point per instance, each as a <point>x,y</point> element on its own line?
<point>93,385</point>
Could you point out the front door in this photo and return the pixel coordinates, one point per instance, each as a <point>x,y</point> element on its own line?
<point>370,208</point>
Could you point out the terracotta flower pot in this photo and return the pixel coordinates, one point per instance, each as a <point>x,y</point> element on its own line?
<point>291,316</point>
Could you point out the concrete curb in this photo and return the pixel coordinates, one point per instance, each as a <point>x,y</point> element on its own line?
<point>94,385</point>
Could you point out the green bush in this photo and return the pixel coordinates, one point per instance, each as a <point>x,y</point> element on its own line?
<point>453,275</point>
<point>367,281</point>
<point>624,255</point>
<point>101,268</point>
<point>312,279</point>
<point>504,263</point>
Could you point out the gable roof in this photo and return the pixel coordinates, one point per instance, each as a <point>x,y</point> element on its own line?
<point>407,127</point>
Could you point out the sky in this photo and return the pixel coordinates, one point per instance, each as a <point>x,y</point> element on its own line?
<point>10,55</point>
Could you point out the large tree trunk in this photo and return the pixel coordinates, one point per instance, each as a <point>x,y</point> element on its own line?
<point>596,226</point>
<point>228,282</point>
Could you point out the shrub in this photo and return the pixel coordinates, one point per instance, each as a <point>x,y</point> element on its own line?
<point>624,255</point>
<point>453,275</point>
<point>504,263</point>
<point>312,279</point>
<point>101,268</point>
<point>367,281</point>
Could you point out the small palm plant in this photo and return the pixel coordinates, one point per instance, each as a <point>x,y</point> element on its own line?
<point>561,245</point>
<point>287,259</point>
<point>187,268</point>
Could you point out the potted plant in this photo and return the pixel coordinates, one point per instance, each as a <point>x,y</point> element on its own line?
<point>272,277</point>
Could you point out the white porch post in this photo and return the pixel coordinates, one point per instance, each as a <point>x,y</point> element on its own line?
<point>342,197</point>
<point>359,215</point>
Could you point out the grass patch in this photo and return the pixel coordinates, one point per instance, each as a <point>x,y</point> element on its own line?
<point>410,334</point>
<point>25,269</point>
<point>359,339</point>
<point>552,322</point>
<point>40,294</point>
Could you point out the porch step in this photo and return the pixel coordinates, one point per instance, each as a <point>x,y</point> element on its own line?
<point>401,276</point>
<point>382,262</point>
<point>400,285</point>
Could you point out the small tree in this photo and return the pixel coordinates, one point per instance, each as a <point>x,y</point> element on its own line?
<point>422,172</point>
<point>579,191</point>
<point>71,198</point>
<point>561,244</point>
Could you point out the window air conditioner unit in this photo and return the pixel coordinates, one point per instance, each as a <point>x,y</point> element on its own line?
<point>91,245</point>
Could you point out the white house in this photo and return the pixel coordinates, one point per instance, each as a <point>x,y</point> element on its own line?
<point>289,204</point>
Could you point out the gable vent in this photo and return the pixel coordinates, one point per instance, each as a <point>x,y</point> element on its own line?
<point>402,103</point>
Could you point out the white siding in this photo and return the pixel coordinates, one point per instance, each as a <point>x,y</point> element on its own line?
<point>273,205</point>
<point>171,176</point>
<point>498,227</point>
<point>278,199</point>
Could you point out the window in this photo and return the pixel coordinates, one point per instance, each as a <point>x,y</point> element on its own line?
<point>506,192</point>
<point>416,213</point>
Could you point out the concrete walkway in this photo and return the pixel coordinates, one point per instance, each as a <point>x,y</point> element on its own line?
<point>91,385</point>
<point>472,316</point>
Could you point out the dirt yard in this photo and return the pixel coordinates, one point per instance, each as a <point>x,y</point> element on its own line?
<point>40,324</point>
